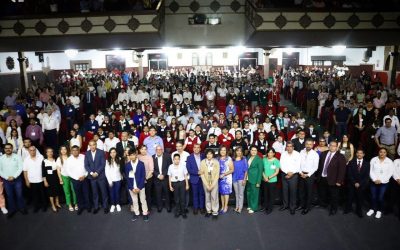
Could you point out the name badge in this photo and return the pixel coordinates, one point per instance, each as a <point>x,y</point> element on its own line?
<point>204,129</point>
<point>140,119</point>
<point>342,152</point>
<point>262,147</point>
<point>49,171</point>
<point>131,174</point>
<point>93,127</point>
<point>291,126</point>
<point>273,167</point>
<point>224,140</point>
<point>313,136</point>
<point>70,110</point>
<point>189,143</point>
<point>33,134</point>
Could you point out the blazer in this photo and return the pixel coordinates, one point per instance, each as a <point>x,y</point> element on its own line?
<point>297,145</point>
<point>193,169</point>
<point>140,175</point>
<point>255,170</point>
<point>314,135</point>
<point>336,169</point>
<point>120,148</point>
<point>355,176</point>
<point>205,177</point>
<point>93,127</point>
<point>166,162</point>
<point>97,164</point>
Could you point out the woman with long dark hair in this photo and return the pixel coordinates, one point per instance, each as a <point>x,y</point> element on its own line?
<point>64,179</point>
<point>114,178</point>
<point>51,180</point>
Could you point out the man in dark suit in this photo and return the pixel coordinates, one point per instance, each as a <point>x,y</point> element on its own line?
<point>299,143</point>
<point>161,163</point>
<point>123,144</point>
<point>88,102</point>
<point>95,163</point>
<point>193,167</point>
<point>331,174</point>
<point>358,177</point>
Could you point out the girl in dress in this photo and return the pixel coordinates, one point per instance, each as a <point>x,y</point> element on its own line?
<point>51,180</point>
<point>64,179</point>
<point>225,178</point>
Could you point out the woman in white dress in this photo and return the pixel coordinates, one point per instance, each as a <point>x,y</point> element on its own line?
<point>323,95</point>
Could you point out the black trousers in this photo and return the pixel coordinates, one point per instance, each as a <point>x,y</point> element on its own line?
<point>394,197</point>
<point>179,196</point>
<point>306,191</point>
<point>328,194</point>
<point>289,191</point>
<point>161,188</point>
<point>38,196</point>
<point>357,195</point>
<point>149,191</point>
<point>269,195</point>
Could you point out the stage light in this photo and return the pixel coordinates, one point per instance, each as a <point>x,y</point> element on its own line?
<point>71,52</point>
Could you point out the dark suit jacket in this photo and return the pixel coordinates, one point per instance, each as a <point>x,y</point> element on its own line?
<point>120,148</point>
<point>95,165</point>
<point>193,169</point>
<point>355,176</point>
<point>297,145</point>
<point>91,126</point>
<point>336,169</point>
<point>140,175</point>
<point>314,135</point>
<point>166,162</point>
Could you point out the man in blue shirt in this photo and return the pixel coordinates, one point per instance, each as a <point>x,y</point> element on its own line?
<point>152,141</point>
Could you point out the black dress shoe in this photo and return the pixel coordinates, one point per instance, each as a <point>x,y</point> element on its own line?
<point>268,211</point>
<point>215,217</point>
<point>305,211</point>
<point>159,210</point>
<point>202,211</point>
<point>89,210</point>
<point>10,215</point>
<point>96,210</point>
<point>195,211</point>
<point>292,211</point>
<point>45,209</point>
<point>283,208</point>
<point>169,210</point>
<point>261,210</point>
<point>184,215</point>
<point>186,210</point>
<point>176,215</point>
<point>106,210</point>
<point>360,214</point>
<point>332,212</point>
<point>80,211</point>
<point>299,208</point>
<point>24,211</point>
<point>208,215</point>
<point>35,210</point>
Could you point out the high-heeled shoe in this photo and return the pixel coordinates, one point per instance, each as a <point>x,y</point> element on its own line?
<point>54,209</point>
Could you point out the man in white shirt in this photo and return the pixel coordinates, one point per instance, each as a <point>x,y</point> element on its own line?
<point>210,96</point>
<point>24,151</point>
<point>309,160</point>
<point>50,128</point>
<point>75,100</point>
<point>394,118</point>
<point>33,176</point>
<point>123,96</point>
<point>75,167</point>
<point>290,167</point>
<point>110,142</point>
<point>215,130</point>
<point>179,150</point>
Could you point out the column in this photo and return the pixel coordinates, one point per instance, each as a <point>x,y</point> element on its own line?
<point>139,54</point>
<point>22,71</point>
<point>394,59</point>
<point>267,53</point>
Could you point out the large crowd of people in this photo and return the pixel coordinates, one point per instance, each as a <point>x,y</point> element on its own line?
<point>196,138</point>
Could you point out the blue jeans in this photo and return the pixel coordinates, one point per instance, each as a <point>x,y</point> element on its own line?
<point>377,193</point>
<point>115,193</point>
<point>14,194</point>
<point>341,129</point>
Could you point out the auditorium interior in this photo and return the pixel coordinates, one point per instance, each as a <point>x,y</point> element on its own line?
<point>43,40</point>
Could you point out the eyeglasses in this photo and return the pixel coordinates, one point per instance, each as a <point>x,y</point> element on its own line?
<point>8,148</point>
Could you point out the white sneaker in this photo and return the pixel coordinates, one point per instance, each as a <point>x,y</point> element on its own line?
<point>378,215</point>
<point>370,212</point>
<point>251,211</point>
<point>4,210</point>
<point>118,208</point>
<point>112,209</point>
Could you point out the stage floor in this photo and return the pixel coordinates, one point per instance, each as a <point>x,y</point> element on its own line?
<point>279,230</point>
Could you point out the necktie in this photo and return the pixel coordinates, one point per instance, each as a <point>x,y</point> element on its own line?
<point>325,170</point>
<point>88,97</point>
<point>359,166</point>
<point>124,144</point>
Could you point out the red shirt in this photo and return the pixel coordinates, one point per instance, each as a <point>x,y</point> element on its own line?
<point>225,140</point>
<point>169,144</point>
<point>143,136</point>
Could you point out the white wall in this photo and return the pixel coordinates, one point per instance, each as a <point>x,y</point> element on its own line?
<point>59,61</point>
<point>354,56</point>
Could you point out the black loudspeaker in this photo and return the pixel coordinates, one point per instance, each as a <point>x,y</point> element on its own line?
<point>40,55</point>
<point>199,18</point>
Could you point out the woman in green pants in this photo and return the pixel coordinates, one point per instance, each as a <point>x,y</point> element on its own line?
<point>254,179</point>
<point>65,180</point>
